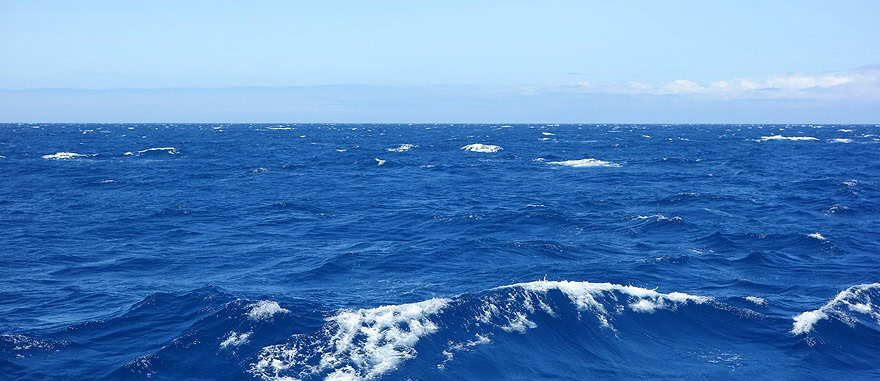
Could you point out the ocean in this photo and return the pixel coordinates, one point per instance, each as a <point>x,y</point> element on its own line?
<point>439,252</point>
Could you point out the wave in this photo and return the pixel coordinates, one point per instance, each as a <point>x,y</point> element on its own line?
<point>841,140</point>
<point>780,137</point>
<point>477,147</point>
<point>582,163</point>
<point>367,343</point>
<point>849,306</point>
<point>66,156</point>
<point>505,332</point>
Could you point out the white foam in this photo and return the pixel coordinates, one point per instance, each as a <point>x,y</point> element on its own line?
<point>520,323</point>
<point>658,217</point>
<point>380,161</point>
<point>235,339</point>
<point>280,128</point>
<point>65,156</point>
<point>264,310</point>
<point>582,163</point>
<point>168,150</point>
<point>845,130</point>
<point>780,137</point>
<point>853,299</point>
<point>477,147</point>
<point>466,346</point>
<point>757,300</point>
<point>584,294</point>
<point>360,344</point>
<point>816,236</point>
<point>850,183</point>
<point>547,133</point>
<point>841,140</point>
<point>368,343</point>
<point>402,148</point>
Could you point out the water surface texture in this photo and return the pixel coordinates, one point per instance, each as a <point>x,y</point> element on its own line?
<point>344,252</point>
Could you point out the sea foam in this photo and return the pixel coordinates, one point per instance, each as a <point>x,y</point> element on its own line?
<point>355,344</point>
<point>856,299</point>
<point>65,156</point>
<point>477,147</point>
<point>264,310</point>
<point>780,137</point>
<point>583,163</point>
<point>168,150</point>
<point>402,148</point>
<point>368,343</point>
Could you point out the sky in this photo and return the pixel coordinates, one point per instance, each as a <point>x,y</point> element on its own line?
<point>455,61</point>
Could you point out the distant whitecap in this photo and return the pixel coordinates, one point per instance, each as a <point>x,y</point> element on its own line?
<point>477,147</point>
<point>402,148</point>
<point>65,156</point>
<point>582,163</point>
<point>168,150</point>
<point>380,161</point>
<point>757,300</point>
<point>780,137</point>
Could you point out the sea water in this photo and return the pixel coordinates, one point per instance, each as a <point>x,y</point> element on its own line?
<point>365,251</point>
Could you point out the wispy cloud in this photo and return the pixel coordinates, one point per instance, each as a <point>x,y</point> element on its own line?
<point>856,83</point>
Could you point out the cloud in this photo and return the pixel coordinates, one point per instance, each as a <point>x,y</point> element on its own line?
<point>853,84</point>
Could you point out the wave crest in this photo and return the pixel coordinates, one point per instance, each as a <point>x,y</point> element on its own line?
<point>856,299</point>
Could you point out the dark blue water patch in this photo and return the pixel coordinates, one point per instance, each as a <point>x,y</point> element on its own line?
<point>110,235</point>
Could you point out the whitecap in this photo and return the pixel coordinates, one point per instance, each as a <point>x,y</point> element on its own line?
<point>478,147</point>
<point>380,161</point>
<point>581,163</point>
<point>547,133</point>
<point>168,150</point>
<point>360,344</point>
<point>854,299</point>
<point>583,295</point>
<point>845,130</point>
<point>65,156</point>
<point>402,148</point>
<point>235,339</point>
<point>841,140</point>
<point>368,343</point>
<point>816,236</point>
<point>264,309</point>
<point>757,300</point>
<point>780,137</point>
<point>658,217</point>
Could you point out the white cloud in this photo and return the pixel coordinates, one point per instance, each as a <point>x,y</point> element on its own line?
<point>683,86</point>
<point>858,83</point>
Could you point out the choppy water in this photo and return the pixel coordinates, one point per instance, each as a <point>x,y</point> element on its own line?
<point>388,251</point>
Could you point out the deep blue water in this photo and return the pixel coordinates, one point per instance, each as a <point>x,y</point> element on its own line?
<point>313,251</point>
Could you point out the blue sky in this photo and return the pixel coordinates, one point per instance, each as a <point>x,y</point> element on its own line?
<point>647,54</point>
